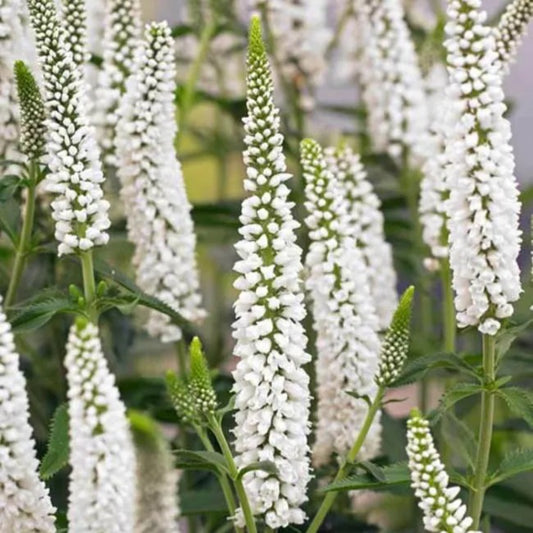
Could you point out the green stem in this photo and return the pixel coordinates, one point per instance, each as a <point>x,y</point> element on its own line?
<point>341,25</point>
<point>486,422</point>
<point>222,479</point>
<point>234,474</point>
<point>89,284</point>
<point>181,354</point>
<point>25,238</point>
<point>330,497</point>
<point>194,74</point>
<point>448,307</point>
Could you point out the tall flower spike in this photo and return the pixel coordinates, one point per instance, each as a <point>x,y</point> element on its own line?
<point>302,35</point>
<point>271,386</point>
<point>24,499</point>
<point>153,190</point>
<point>102,481</point>
<point>511,29</point>
<point>393,89</point>
<point>74,20</point>
<point>483,210</point>
<point>157,509</point>
<point>33,116</point>
<point>11,39</point>
<point>366,221</point>
<point>79,210</point>
<point>395,346</point>
<point>122,37</point>
<point>345,319</point>
<point>443,511</point>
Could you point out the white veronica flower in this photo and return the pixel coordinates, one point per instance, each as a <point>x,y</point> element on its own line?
<point>122,37</point>
<point>79,210</point>
<point>366,222</point>
<point>511,29</point>
<point>443,511</point>
<point>157,509</point>
<point>102,481</point>
<point>11,40</point>
<point>345,319</point>
<point>483,209</point>
<point>271,386</point>
<point>393,88</point>
<point>24,500</point>
<point>74,21</point>
<point>302,36</point>
<point>153,191</point>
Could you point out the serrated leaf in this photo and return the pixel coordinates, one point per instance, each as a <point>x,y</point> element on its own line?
<point>58,450</point>
<point>264,466</point>
<point>200,460</point>
<point>459,437</point>
<point>519,401</point>
<point>506,338</point>
<point>505,503</point>
<point>396,475</point>
<point>458,392</point>
<point>373,469</point>
<point>37,311</point>
<point>202,502</point>
<point>512,464</point>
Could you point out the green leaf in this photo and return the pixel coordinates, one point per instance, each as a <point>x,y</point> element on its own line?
<point>9,186</point>
<point>512,464</point>
<point>139,296</point>
<point>458,392</point>
<point>519,401</point>
<point>373,470</point>
<point>459,437</point>
<point>57,453</point>
<point>396,475</point>
<point>505,503</point>
<point>34,313</point>
<point>200,460</point>
<point>505,339</point>
<point>265,466</point>
<point>417,368</point>
<point>357,396</point>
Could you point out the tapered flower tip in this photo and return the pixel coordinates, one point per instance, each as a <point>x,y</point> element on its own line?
<point>156,29</point>
<point>256,46</point>
<point>199,368</point>
<point>200,385</point>
<point>395,347</point>
<point>415,413</point>
<point>309,147</point>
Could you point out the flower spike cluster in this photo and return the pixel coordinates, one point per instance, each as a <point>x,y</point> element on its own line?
<point>11,39</point>
<point>153,190</point>
<point>24,500</point>
<point>302,36</point>
<point>511,29</point>
<point>483,209</point>
<point>123,32</point>
<point>366,221</point>
<point>79,210</point>
<point>393,88</point>
<point>102,457</point>
<point>271,386</point>
<point>33,115</point>
<point>395,345</point>
<point>344,315</point>
<point>74,20</point>
<point>157,509</point>
<point>443,511</point>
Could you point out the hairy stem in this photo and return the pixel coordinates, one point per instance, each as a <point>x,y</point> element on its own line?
<point>448,307</point>
<point>249,519</point>
<point>486,422</point>
<point>25,237</point>
<point>330,497</point>
<point>222,479</point>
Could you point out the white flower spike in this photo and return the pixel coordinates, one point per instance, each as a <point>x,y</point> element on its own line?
<point>366,221</point>
<point>271,386</point>
<point>483,209</point>
<point>153,190</point>
<point>79,210</point>
<point>344,315</point>
<point>102,457</point>
<point>443,511</point>
<point>24,500</point>
<point>123,32</point>
<point>74,22</point>
<point>393,88</point>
